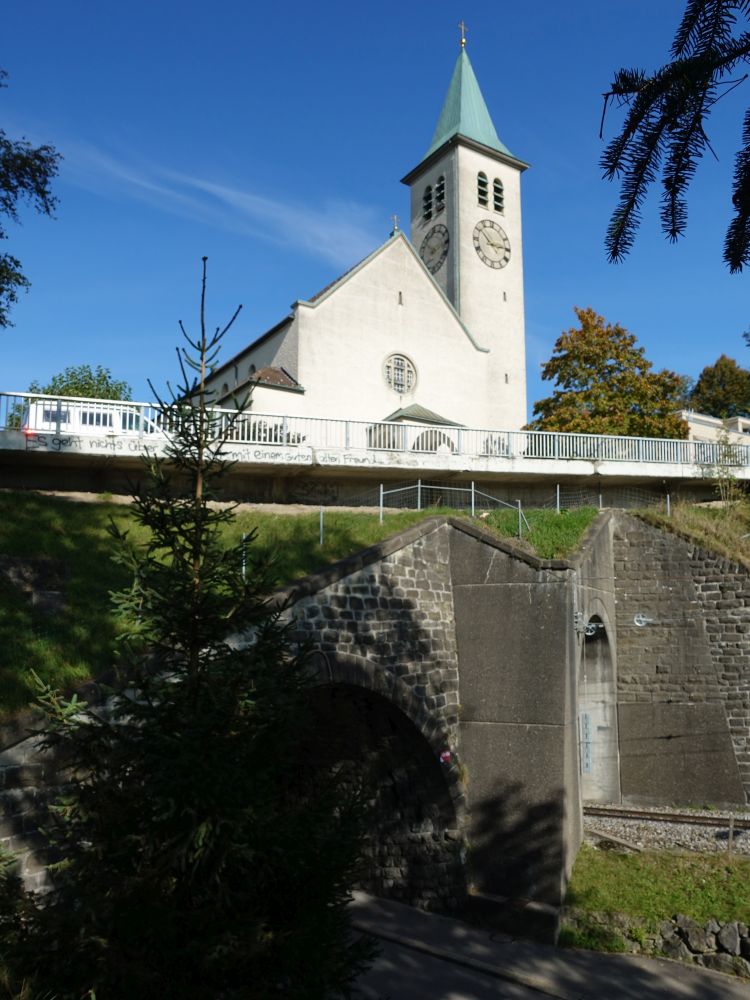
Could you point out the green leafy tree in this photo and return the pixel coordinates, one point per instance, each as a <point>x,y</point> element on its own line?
<point>85,381</point>
<point>722,389</point>
<point>665,128</point>
<point>605,385</point>
<point>203,857</point>
<point>25,175</point>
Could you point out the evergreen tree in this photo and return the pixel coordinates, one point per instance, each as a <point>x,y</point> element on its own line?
<point>666,126</point>
<point>722,389</point>
<point>203,858</point>
<point>605,385</point>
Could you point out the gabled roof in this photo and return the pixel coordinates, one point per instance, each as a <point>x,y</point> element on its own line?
<point>397,235</point>
<point>422,415</point>
<point>274,376</point>
<point>270,376</point>
<point>464,111</point>
<point>254,343</point>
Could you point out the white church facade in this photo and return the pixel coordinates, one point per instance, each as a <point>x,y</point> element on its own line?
<point>429,328</point>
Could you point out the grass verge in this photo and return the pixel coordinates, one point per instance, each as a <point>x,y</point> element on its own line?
<point>638,891</point>
<point>725,530</point>
<point>551,535</point>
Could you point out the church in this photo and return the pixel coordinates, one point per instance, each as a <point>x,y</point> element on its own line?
<point>429,328</point>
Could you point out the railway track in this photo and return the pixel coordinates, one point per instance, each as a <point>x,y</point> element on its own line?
<point>691,819</point>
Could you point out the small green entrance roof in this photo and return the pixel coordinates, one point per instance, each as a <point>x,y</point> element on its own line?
<point>464,111</point>
<point>421,415</point>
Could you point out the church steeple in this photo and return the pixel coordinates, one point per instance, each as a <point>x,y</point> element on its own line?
<point>466,227</point>
<point>464,112</point>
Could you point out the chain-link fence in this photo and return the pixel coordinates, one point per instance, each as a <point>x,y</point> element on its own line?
<point>422,494</point>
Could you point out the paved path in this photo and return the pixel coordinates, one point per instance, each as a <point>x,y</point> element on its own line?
<point>425,956</point>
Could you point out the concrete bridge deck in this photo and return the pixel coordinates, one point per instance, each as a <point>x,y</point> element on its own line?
<point>64,432</point>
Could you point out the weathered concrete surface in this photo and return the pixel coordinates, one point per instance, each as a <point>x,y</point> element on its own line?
<point>678,752</point>
<point>518,737</point>
<point>596,693</point>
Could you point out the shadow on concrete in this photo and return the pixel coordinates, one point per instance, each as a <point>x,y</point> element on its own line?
<point>517,846</point>
<point>516,863</point>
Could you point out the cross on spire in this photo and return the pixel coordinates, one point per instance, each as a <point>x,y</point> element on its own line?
<point>462,26</point>
<point>394,220</point>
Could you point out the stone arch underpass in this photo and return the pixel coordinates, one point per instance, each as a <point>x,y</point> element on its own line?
<point>415,849</point>
<point>468,639</point>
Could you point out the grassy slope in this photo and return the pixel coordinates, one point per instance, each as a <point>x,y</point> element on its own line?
<point>69,648</point>
<point>651,887</point>
<point>718,529</point>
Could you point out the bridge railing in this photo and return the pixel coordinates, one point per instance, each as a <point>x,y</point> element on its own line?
<point>64,415</point>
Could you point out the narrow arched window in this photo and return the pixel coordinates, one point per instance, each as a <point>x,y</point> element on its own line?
<point>498,195</point>
<point>482,190</point>
<point>251,370</point>
<point>440,194</point>
<point>427,204</point>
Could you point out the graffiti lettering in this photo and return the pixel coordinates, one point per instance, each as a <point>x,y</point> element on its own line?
<point>277,456</point>
<point>47,442</point>
<point>368,459</point>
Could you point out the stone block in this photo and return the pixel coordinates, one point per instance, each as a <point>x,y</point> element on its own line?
<point>693,935</point>
<point>674,947</point>
<point>721,962</point>
<point>728,938</point>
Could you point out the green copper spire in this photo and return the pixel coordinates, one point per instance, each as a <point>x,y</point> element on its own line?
<point>464,111</point>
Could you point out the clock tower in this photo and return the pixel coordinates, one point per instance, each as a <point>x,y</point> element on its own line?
<point>466,227</point>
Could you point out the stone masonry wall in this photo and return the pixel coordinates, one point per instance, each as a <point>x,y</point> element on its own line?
<point>28,778</point>
<point>390,624</point>
<point>693,652</point>
<point>724,592</point>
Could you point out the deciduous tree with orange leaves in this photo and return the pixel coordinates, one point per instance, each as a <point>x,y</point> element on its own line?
<point>604,384</point>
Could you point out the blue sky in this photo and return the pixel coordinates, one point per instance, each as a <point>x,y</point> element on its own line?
<point>273,140</point>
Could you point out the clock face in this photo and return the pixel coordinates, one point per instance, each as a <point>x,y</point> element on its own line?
<point>434,248</point>
<point>491,243</point>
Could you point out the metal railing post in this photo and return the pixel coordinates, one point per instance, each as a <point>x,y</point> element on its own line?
<point>557,498</point>
<point>419,494</point>
<point>321,526</point>
<point>519,518</point>
<point>381,503</point>
<point>472,498</point>
<point>669,506</point>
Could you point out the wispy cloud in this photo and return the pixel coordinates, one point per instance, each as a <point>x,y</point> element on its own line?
<point>339,231</point>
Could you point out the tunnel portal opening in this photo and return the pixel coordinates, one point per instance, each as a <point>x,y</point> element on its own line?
<point>414,850</point>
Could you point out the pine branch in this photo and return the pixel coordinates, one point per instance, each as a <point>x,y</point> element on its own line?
<point>737,244</point>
